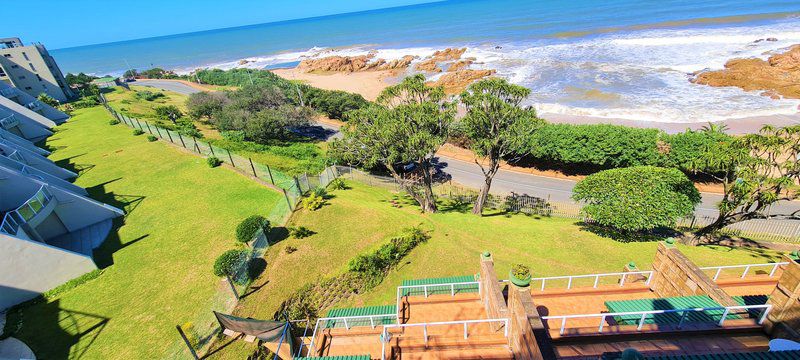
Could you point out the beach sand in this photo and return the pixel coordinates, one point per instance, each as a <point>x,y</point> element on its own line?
<point>368,83</point>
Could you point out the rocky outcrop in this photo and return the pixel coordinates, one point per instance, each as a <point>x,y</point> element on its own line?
<point>431,64</point>
<point>353,63</point>
<point>456,81</point>
<point>777,77</point>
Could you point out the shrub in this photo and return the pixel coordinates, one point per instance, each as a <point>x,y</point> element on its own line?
<point>388,254</point>
<point>520,271</point>
<point>230,262</point>
<point>248,228</point>
<point>300,232</point>
<point>47,99</point>
<point>320,191</point>
<point>637,198</point>
<point>313,202</point>
<point>168,112</point>
<point>86,102</point>
<point>334,103</point>
<point>213,161</point>
<point>113,122</point>
<point>151,138</point>
<point>137,132</point>
<point>290,249</point>
<point>148,95</point>
<point>337,184</point>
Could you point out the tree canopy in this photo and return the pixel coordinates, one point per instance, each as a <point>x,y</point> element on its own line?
<point>637,198</point>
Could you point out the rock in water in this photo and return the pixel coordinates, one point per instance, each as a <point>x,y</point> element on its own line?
<point>779,76</point>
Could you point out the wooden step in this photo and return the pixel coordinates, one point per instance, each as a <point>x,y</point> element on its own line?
<point>448,347</point>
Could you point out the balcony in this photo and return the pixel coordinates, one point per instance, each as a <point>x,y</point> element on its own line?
<point>25,212</point>
<point>9,122</point>
<point>8,92</point>
<point>34,105</point>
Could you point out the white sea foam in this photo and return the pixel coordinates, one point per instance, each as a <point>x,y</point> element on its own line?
<point>642,75</point>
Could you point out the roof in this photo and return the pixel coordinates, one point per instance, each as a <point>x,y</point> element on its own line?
<point>444,289</point>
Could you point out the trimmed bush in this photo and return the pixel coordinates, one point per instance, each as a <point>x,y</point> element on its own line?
<point>248,228</point>
<point>137,132</point>
<point>151,138</point>
<point>229,262</point>
<point>213,161</point>
<point>388,255</point>
<point>113,122</point>
<point>337,184</point>
<point>313,202</point>
<point>637,198</point>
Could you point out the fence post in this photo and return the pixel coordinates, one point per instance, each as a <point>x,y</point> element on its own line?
<point>252,167</point>
<point>181,137</point>
<point>148,128</point>
<point>211,147</point>
<point>187,342</point>
<point>297,183</point>
<point>140,124</point>
<point>170,136</point>
<point>287,199</point>
<point>230,157</point>
<point>691,225</point>
<point>233,287</point>
<point>197,148</point>
<point>269,171</point>
<point>159,133</point>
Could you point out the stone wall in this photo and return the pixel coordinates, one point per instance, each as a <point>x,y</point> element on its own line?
<point>675,275</point>
<point>492,292</point>
<point>784,318</point>
<point>527,335</point>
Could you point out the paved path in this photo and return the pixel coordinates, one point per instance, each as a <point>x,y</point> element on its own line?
<point>469,174</point>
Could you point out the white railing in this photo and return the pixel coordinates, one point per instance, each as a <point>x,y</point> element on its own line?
<point>13,219</point>
<point>347,324</point>
<point>9,121</point>
<point>16,157</point>
<point>570,278</point>
<point>424,326</point>
<point>772,266</point>
<point>427,289</point>
<point>644,314</point>
<point>34,105</point>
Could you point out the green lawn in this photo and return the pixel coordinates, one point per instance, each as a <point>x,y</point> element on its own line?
<point>181,215</point>
<point>362,218</point>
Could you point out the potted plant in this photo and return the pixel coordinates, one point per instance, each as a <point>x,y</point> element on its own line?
<point>520,275</point>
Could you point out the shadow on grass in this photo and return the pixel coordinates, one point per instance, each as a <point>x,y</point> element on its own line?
<point>629,236</point>
<point>79,169</point>
<point>104,255</point>
<point>56,333</point>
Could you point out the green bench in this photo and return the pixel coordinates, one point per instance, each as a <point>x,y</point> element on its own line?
<point>443,289</point>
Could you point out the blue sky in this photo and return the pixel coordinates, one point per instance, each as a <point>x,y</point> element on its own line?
<point>62,23</point>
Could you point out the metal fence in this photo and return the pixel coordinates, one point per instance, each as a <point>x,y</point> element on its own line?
<point>782,231</point>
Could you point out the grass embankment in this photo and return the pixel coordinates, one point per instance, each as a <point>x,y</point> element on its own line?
<point>360,219</point>
<point>291,157</point>
<point>181,215</point>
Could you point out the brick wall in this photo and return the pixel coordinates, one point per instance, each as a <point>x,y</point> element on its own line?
<point>675,275</point>
<point>492,292</point>
<point>785,301</point>
<point>527,335</point>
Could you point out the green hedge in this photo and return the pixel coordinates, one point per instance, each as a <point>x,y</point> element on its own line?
<point>248,228</point>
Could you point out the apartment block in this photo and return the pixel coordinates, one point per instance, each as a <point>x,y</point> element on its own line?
<point>31,69</point>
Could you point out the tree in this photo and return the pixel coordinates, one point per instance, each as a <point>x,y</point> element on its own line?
<point>637,198</point>
<point>47,99</point>
<point>80,80</point>
<point>756,171</point>
<point>204,104</point>
<point>130,74</point>
<point>168,112</point>
<point>410,123</point>
<point>496,126</point>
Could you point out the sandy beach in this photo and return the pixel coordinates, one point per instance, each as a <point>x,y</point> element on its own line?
<point>368,83</point>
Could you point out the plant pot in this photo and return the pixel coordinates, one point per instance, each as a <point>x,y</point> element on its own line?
<point>517,281</point>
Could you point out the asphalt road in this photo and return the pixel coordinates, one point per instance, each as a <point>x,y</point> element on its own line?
<point>469,174</point>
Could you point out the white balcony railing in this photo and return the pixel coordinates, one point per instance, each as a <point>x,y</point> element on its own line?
<point>772,267</point>
<point>350,321</point>
<point>8,92</point>
<point>425,326</point>
<point>13,219</point>
<point>645,314</point>
<point>624,277</point>
<point>9,122</point>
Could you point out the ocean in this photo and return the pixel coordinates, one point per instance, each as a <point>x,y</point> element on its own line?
<point>623,59</point>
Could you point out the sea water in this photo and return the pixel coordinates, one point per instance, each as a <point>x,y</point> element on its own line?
<point>616,58</point>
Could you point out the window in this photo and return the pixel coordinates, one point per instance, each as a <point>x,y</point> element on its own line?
<point>2,72</point>
<point>7,55</point>
<point>21,77</point>
<point>32,68</point>
<point>14,66</point>
<point>39,77</point>
<point>28,88</point>
<point>25,55</point>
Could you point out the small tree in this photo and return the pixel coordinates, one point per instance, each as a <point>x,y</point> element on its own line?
<point>411,123</point>
<point>248,228</point>
<point>637,198</point>
<point>756,171</point>
<point>496,126</point>
<point>203,104</point>
<point>47,99</point>
<point>168,112</point>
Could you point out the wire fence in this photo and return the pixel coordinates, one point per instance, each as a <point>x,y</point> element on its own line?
<point>779,231</point>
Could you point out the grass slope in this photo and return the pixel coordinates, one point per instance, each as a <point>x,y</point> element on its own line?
<point>181,215</point>
<point>362,218</point>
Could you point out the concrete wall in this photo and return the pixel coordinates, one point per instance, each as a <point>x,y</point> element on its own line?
<point>492,292</point>
<point>675,275</point>
<point>28,269</point>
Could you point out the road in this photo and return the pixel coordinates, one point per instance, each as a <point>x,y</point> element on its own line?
<point>506,181</point>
